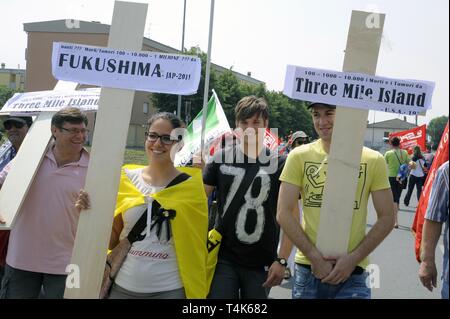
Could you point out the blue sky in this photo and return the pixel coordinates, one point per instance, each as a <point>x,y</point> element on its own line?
<point>263,36</point>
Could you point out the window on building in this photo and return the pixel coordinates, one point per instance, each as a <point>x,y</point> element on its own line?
<point>145,108</point>
<point>12,81</point>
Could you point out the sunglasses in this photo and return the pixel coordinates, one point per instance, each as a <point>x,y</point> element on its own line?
<point>10,124</point>
<point>165,139</point>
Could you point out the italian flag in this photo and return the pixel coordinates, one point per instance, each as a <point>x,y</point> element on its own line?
<point>216,125</point>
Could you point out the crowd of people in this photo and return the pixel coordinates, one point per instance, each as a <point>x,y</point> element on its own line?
<point>268,213</point>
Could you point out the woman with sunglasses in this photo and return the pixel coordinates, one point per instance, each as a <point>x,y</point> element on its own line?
<point>159,232</point>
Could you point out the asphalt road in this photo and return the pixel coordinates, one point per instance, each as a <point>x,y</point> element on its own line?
<point>395,260</point>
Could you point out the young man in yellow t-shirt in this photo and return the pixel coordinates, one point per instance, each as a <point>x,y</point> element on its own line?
<point>316,275</point>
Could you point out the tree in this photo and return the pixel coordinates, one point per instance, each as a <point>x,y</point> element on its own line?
<point>6,94</point>
<point>228,91</point>
<point>436,128</point>
<point>288,115</point>
<point>168,102</point>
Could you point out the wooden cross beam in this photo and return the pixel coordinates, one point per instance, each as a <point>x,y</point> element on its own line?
<point>26,163</point>
<point>361,55</point>
<point>108,146</point>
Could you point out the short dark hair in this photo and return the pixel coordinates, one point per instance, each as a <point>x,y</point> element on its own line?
<point>172,118</point>
<point>395,141</point>
<point>310,105</point>
<point>249,106</point>
<point>71,115</point>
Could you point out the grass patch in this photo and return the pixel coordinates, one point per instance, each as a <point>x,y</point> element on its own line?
<point>132,156</point>
<point>135,156</point>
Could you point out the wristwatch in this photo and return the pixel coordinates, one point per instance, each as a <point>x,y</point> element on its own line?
<point>282,261</point>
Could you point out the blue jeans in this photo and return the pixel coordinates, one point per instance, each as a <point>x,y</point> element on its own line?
<point>306,286</point>
<point>232,281</point>
<point>444,291</point>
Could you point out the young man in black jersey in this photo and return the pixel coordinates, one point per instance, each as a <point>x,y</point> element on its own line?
<point>245,175</point>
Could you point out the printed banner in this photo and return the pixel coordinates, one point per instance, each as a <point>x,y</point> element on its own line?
<point>216,126</point>
<point>410,138</point>
<point>358,90</point>
<point>440,157</point>
<point>122,69</point>
<point>52,101</point>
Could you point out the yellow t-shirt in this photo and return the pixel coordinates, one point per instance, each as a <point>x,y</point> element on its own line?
<point>306,167</point>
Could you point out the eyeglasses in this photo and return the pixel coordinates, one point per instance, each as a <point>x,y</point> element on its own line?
<point>165,139</point>
<point>10,124</point>
<point>75,131</point>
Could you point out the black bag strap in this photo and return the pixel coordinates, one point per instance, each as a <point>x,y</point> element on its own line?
<point>398,158</point>
<point>138,228</point>
<point>423,171</point>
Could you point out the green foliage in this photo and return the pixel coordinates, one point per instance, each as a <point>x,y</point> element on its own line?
<point>229,93</point>
<point>288,115</point>
<point>284,113</point>
<point>436,128</point>
<point>135,156</point>
<point>131,156</point>
<point>6,94</point>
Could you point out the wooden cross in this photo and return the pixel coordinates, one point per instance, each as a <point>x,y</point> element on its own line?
<point>361,55</point>
<point>26,163</point>
<point>108,146</point>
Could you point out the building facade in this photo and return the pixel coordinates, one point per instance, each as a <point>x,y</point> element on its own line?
<point>377,133</point>
<point>12,78</point>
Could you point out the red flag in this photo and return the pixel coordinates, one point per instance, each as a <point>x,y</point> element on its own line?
<point>271,141</point>
<point>411,138</point>
<point>440,157</point>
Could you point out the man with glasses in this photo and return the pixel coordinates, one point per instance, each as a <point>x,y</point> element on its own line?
<point>41,242</point>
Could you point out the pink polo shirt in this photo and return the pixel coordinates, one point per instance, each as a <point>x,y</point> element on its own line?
<point>44,234</point>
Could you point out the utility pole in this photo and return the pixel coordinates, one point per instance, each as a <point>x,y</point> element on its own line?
<point>182,50</point>
<point>207,72</point>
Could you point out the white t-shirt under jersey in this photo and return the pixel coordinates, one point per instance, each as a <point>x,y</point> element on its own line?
<point>151,264</point>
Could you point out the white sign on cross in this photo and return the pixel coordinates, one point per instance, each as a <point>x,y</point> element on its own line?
<point>361,55</point>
